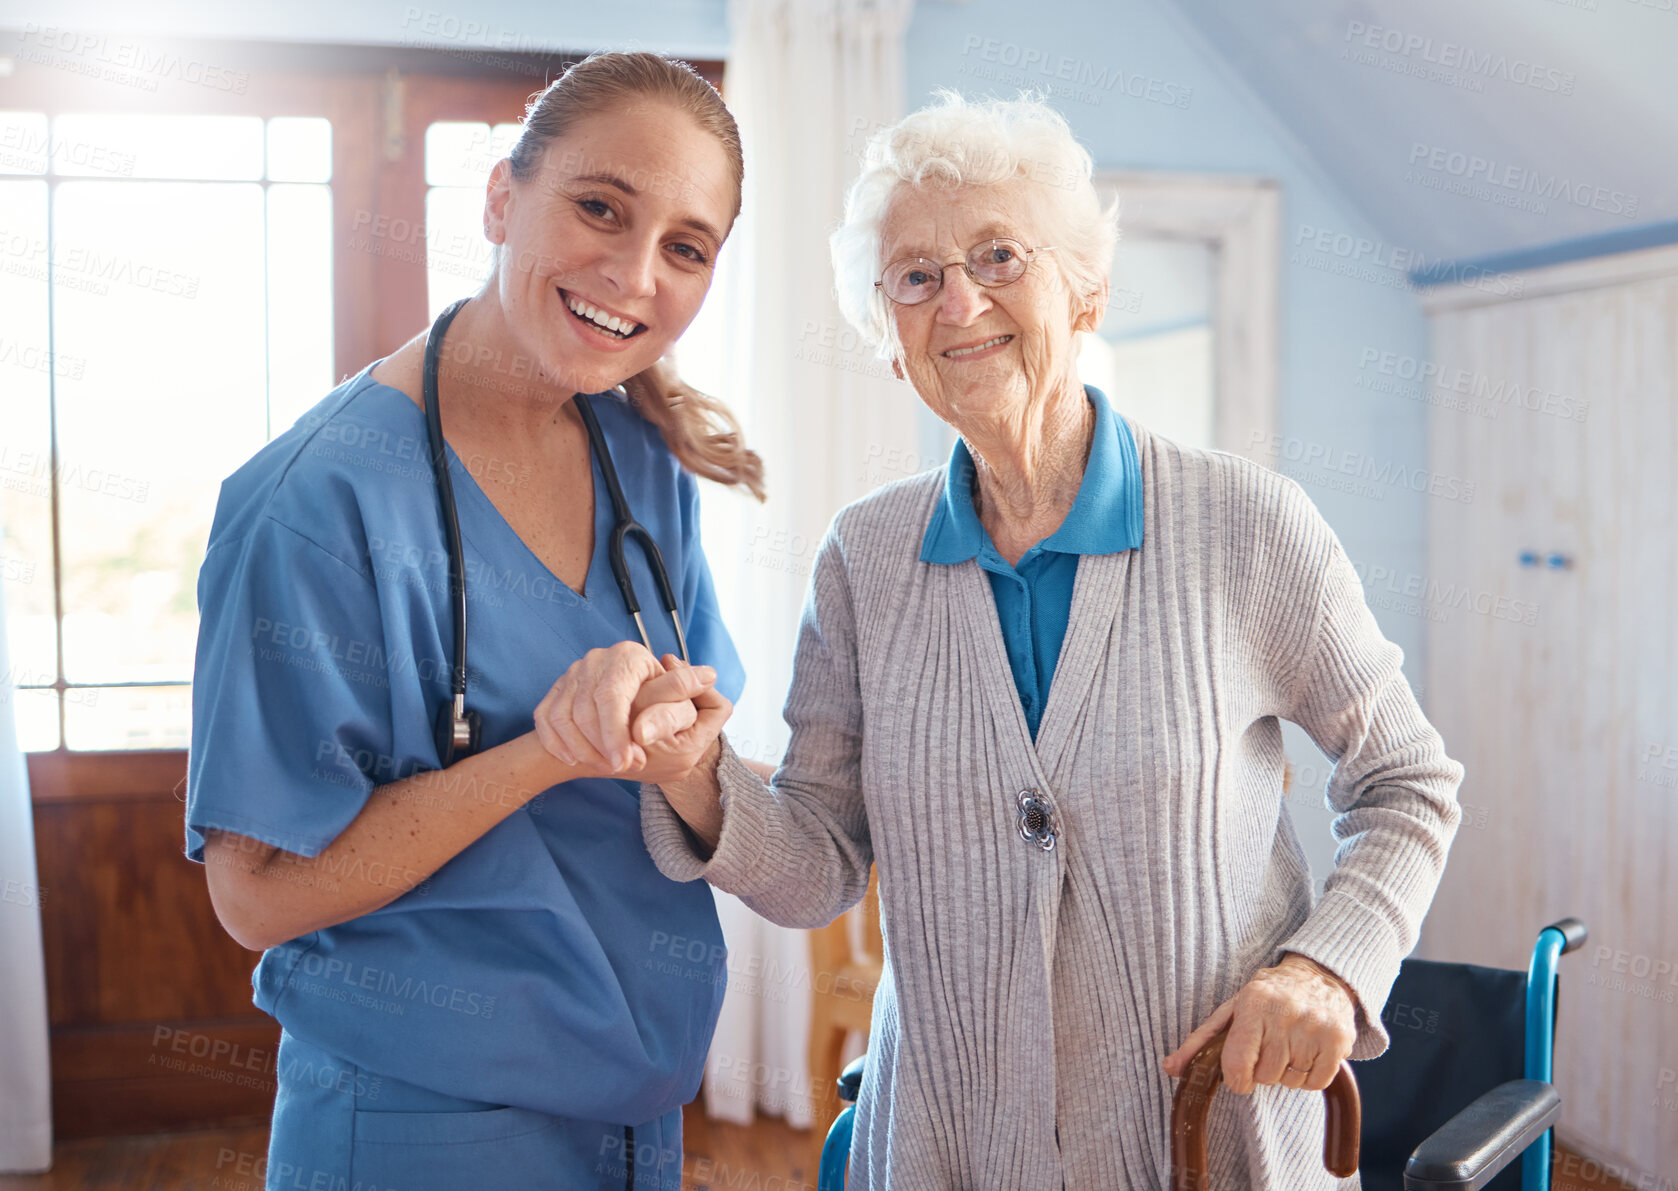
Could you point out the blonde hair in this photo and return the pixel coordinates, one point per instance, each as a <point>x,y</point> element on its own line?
<point>700,430</point>
<point>956,141</point>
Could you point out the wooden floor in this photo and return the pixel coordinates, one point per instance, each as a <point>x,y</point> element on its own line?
<point>768,1155</point>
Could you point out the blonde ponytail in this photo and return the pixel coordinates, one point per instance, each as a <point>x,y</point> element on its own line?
<point>701,432</point>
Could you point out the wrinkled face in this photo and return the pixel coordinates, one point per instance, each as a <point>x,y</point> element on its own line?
<point>609,249</point>
<point>972,352</point>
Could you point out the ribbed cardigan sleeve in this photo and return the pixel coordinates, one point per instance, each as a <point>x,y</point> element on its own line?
<point>1393,786</point>
<point>796,851</point>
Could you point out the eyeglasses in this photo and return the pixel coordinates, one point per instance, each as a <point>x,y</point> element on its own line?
<point>992,263</point>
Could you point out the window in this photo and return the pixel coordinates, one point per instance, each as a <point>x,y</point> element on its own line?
<point>167,285</point>
<point>184,270</point>
<point>1152,355</point>
<point>459,155</point>
<point>1188,346</point>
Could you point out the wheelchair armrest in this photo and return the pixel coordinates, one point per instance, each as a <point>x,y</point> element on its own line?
<point>1469,1149</point>
<point>850,1079</point>
<point>1572,931</point>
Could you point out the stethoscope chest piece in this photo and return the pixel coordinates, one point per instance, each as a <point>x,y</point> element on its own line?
<point>459,732</point>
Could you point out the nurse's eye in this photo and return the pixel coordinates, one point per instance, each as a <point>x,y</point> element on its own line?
<point>690,252</point>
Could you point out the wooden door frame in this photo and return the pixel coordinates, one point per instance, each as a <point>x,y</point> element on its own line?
<point>1239,218</point>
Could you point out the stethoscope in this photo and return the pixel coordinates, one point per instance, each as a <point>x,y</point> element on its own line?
<point>459,731</point>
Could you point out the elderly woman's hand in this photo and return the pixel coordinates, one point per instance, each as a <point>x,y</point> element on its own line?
<point>621,712</point>
<point>1291,1024</point>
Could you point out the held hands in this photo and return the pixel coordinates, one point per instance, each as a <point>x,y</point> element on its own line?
<point>1290,1025</point>
<point>620,712</point>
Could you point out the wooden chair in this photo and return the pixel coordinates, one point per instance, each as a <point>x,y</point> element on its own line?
<point>842,983</point>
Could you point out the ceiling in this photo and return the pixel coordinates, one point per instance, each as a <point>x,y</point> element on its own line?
<point>1466,129</point>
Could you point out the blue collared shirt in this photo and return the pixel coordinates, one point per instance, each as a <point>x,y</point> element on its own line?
<point>1034,599</point>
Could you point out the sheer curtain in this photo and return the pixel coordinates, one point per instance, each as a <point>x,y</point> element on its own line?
<point>25,1088</point>
<point>808,81</point>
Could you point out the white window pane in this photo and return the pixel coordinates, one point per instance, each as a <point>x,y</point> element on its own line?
<point>161,291</point>
<point>127,717</point>
<point>1153,354</point>
<point>37,718</point>
<point>459,153</point>
<point>25,444</point>
<point>207,147</point>
<point>457,257</point>
<point>23,143</point>
<point>1158,285</point>
<point>1163,381</point>
<point>300,149</point>
<point>299,301</point>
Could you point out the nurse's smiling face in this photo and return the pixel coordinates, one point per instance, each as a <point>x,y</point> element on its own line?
<point>608,250</point>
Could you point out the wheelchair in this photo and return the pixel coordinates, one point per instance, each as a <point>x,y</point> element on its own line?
<point>1469,1069</point>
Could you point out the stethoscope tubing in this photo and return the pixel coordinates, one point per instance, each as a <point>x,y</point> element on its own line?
<point>624,524</point>
<point>445,498</point>
<point>625,527</point>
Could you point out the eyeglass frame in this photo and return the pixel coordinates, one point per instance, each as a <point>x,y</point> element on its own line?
<point>1030,254</point>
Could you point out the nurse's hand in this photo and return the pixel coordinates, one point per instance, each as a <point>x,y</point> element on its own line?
<point>1291,1024</point>
<point>620,712</point>
<point>672,756</point>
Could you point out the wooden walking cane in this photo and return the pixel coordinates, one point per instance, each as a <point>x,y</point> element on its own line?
<point>1193,1100</point>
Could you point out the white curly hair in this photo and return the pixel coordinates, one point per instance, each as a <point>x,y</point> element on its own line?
<point>957,141</point>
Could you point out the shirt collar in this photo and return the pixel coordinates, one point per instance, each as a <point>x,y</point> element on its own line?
<point>1105,518</point>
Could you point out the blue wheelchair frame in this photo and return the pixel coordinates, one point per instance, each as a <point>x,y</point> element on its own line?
<point>1554,941</point>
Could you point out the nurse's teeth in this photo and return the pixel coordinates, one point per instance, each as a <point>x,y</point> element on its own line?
<point>978,347</point>
<point>618,326</point>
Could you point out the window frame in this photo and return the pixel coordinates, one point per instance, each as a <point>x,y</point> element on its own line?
<point>379,101</point>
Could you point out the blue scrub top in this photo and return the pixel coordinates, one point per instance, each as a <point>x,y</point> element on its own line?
<point>549,965</point>
<point>1034,598</point>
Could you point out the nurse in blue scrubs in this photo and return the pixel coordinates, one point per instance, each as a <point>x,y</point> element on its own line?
<point>482,979</point>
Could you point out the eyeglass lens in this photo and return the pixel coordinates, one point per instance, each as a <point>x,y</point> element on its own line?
<point>991,263</point>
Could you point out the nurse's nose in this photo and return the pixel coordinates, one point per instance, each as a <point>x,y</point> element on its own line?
<point>633,269</point>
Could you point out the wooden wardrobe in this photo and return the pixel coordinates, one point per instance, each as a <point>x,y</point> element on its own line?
<point>1552,672</point>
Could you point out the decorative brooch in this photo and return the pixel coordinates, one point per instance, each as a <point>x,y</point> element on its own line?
<point>1036,818</point>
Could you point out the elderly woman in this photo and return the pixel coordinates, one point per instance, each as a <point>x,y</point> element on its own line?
<point>1041,688</point>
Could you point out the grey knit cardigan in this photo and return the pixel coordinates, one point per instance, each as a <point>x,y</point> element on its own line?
<point>1029,995</point>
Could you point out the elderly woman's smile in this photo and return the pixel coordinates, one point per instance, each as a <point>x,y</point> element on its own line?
<point>980,350</point>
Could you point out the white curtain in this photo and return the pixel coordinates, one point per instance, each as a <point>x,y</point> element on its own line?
<point>808,81</point>
<point>25,1084</point>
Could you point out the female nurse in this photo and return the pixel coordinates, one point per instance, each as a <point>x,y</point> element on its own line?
<point>482,979</point>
